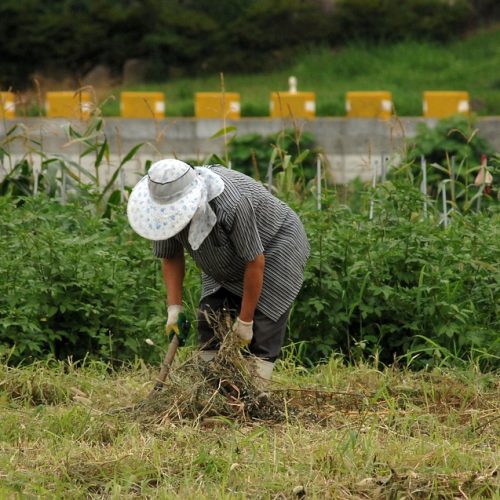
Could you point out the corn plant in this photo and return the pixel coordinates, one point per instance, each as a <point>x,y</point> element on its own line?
<point>59,175</point>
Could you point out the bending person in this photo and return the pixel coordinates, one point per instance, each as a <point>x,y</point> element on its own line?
<point>250,246</point>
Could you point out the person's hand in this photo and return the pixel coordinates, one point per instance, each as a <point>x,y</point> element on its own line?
<point>172,326</point>
<point>243,330</point>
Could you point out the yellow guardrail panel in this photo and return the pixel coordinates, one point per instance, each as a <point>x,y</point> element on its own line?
<point>443,103</point>
<point>293,105</point>
<point>7,105</point>
<point>142,105</point>
<point>217,105</point>
<point>369,104</point>
<point>68,104</point>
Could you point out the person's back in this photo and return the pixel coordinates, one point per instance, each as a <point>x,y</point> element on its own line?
<point>250,221</point>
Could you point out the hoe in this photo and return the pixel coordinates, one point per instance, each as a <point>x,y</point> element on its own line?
<point>176,339</point>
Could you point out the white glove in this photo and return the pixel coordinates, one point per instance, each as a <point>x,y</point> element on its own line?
<point>243,330</point>
<point>173,312</point>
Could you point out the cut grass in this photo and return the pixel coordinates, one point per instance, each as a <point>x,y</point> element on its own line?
<point>406,69</point>
<point>382,433</point>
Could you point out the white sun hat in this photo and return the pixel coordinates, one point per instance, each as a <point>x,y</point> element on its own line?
<point>170,196</point>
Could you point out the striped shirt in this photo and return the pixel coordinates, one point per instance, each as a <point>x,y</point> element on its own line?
<point>250,222</point>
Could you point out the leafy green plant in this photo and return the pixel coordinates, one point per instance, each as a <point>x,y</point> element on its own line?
<point>454,137</point>
<point>399,283</point>
<point>252,153</point>
<point>76,284</point>
<point>393,286</point>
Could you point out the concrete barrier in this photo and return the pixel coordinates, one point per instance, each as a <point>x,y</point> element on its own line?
<point>347,144</point>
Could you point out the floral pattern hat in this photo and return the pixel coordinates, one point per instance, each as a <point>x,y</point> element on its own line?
<point>169,197</point>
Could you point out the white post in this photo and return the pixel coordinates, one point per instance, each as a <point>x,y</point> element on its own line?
<point>374,183</point>
<point>122,185</point>
<point>63,185</point>
<point>423,186</point>
<point>383,167</point>
<point>445,210</point>
<point>36,174</point>
<point>318,182</point>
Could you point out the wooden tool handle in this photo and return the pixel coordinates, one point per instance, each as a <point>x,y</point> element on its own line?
<point>167,363</point>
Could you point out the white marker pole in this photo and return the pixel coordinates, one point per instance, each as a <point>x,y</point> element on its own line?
<point>445,210</point>
<point>374,183</point>
<point>423,186</point>
<point>383,166</point>
<point>63,185</point>
<point>318,182</point>
<point>36,174</point>
<point>122,184</point>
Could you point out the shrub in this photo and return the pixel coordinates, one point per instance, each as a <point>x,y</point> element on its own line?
<point>392,20</point>
<point>400,284</point>
<point>75,284</point>
<point>251,153</point>
<point>454,136</point>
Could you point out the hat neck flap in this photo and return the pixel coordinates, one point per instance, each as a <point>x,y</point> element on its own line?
<point>204,219</point>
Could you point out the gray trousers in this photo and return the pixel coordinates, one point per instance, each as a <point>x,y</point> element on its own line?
<point>268,335</point>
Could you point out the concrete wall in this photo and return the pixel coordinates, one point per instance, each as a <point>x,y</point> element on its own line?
<point>347,144</point>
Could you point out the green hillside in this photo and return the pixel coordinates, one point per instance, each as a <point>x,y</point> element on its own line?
<point>406,69</point>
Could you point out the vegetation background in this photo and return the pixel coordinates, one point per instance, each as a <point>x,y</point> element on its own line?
<point>205,37</point>
<point>182,46</point>
<point>387,304</point>
<point>396,328</point>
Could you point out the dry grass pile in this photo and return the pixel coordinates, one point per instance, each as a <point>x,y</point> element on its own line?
<point>226,386</point>
<point>228,389</point>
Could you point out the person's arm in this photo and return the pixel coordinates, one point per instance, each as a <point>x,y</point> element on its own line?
<point>246,240</point>
<point>252,287</point>
<point>173,276</point>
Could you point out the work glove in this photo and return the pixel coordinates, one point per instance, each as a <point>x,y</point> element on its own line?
<point>176,324</point>
<point>243,330</point>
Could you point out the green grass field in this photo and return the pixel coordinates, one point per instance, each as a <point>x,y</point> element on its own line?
<point>406,69</point>
<point>67,432</point>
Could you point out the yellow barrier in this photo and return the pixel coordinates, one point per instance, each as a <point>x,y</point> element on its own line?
<point>68,104</point>
<point>369,104</point>
<point>293,105</point>
<point>142,105</point>
<point>440,104</point>
<point>359,104</point>
<point>7,105</point>
<point>217,105</point>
